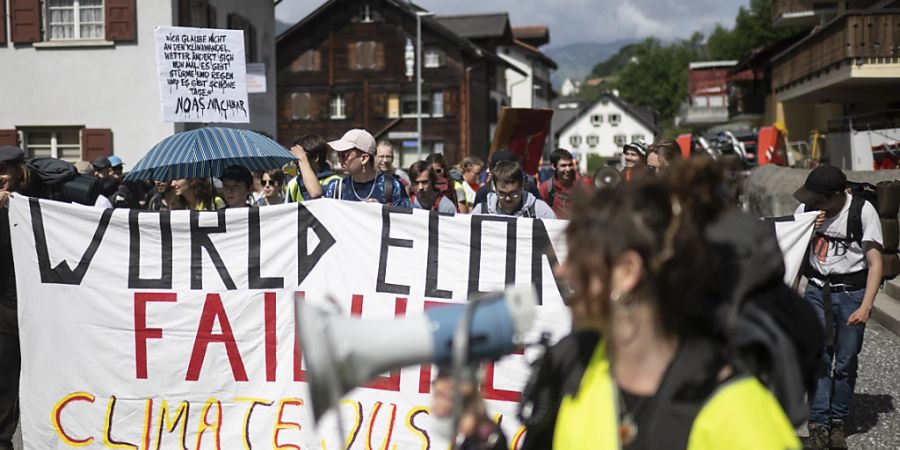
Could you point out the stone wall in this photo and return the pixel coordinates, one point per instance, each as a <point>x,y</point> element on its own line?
<point>769,189</point>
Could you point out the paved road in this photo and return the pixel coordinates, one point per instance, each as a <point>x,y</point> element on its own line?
<point>874,423</point>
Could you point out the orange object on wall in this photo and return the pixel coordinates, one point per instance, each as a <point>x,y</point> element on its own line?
<point>771,147</point>
<point>684,141</point>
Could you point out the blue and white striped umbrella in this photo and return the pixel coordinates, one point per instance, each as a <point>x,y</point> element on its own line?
<point>206,152</point>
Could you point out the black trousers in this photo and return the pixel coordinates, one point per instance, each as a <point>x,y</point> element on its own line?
<point>10,364</point>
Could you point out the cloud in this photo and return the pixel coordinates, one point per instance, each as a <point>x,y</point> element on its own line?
<point>573,21</point>
<point>632,18</point>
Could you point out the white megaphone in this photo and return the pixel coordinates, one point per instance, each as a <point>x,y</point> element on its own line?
<point>342,353</point>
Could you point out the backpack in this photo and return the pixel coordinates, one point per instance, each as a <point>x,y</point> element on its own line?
<point>529,213</point>
<point>860,193</point>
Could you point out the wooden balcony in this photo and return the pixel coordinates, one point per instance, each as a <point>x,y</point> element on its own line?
<point>801,13</point>
<point>852,41</point>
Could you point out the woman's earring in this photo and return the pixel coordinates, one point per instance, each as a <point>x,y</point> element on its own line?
<point>615,296</point>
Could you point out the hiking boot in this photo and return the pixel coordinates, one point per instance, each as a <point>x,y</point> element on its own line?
<point>818,436</point>
<point>838,435</point>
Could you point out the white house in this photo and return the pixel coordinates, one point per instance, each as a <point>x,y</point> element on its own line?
<point>604,127</point>
<point>79,77</point>
<point>570,87</point>
<point>533,89</point>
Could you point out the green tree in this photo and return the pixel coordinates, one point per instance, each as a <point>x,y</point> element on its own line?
<point>752,29</point>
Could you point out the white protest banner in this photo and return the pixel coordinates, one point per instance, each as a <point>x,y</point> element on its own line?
<point>794,233</point>
<point>202,75</point>
<point>174,330</point>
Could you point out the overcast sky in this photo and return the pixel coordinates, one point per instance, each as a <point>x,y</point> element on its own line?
<point>580,20</point>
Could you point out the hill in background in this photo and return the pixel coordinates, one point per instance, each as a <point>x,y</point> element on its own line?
<point>576,60</point>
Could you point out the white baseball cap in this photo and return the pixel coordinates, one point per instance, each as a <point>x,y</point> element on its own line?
<point>355,139</point>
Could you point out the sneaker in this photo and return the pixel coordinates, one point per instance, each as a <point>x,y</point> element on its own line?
<point>818,436</point>
<point>838,435</point>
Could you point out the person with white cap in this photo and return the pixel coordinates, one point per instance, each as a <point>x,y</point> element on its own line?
<point>364,183</point>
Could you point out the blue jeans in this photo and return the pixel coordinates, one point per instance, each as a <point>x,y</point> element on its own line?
<point>838,364</point>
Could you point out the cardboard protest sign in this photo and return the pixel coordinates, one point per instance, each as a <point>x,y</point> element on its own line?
<point>202,75</point>
<point>175,329</point>
<point>523,132</point>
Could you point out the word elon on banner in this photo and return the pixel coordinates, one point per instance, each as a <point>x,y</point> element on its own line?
<point>200,237</point>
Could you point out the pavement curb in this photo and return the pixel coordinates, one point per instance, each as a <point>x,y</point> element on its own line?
<point>887,307</point>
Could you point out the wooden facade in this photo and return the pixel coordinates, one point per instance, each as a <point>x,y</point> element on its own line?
<point>344,67</point>
<point>851,36</point>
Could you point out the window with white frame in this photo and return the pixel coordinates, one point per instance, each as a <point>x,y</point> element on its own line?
<point>575,140</point>
<point>614,119</point>
<point>596,120</point>
<point>637,138</point>
<point>300,105</point>
<point>619,140</point>
<point>62,143</point>
<point>337,107</point>
<point>434,58</point>
<point>408,106</point>
<point>593,140</point>
<point>437,104</point>
<point>716,101</point>
<point>75,20</point>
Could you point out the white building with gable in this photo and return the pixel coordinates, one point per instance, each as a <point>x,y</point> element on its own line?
<point>604,127</point>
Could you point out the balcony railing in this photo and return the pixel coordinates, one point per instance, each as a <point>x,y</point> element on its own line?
<point>785,7</point>
<point>851,36</point>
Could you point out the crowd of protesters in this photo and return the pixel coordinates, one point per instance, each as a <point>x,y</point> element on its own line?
<point>644,329</point>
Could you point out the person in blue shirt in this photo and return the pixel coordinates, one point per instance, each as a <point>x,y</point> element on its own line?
<point>356,153</point>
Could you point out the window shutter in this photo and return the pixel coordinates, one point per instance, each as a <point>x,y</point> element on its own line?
<point>120,20</point>
<point>2,22</point>
<point>378,55</point>
<point>353,55</point>
<point>300,105</point>
<point>96,143</point>
<point>379,105</point>
<point>450,106</point>
<point>349,104</point>
<point>9,137</point>
<point>318,104</point>
<point>25,20</point>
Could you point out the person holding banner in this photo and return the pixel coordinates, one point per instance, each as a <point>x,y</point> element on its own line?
<point>844,269</point>
<point>658,377</point>
<point>13,178</point>
<point>314,171</point>
<point>356,153</point>
<point>510,198</point>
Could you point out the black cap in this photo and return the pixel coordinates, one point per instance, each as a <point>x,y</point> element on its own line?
<point>10,154</point>
<point>500,155</point>
<point>101,163</point>
<point>821,183</point>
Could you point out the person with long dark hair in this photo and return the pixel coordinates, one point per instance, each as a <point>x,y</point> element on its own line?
<point>657,372</point>
<point>196,194</point>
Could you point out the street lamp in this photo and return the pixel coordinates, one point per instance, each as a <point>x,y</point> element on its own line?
<point>419,16</point>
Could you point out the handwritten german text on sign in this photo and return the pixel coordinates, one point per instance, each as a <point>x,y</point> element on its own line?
<point>202,75</point>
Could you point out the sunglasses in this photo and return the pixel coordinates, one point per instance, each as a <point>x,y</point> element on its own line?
<point>268,182</point>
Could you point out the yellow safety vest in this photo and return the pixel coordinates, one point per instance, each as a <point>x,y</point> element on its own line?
<point>741,414</point>
<point>294,186</point>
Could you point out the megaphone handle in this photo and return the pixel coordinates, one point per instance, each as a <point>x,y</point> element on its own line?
<point>460,353</point>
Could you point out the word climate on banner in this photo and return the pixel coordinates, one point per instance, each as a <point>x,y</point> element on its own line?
<point>202,75</point>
